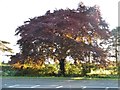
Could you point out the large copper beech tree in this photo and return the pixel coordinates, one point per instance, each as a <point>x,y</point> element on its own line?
<point>62,33</point>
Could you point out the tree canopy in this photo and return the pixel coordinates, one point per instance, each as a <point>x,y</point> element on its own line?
<point>62,33</point>
<point>3,46</point>
<point>115,42</point>
<point>116,35</point>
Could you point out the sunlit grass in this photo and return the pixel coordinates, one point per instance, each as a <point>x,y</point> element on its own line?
<point>62,78</point>
<point>95,78</point>
<point>102,72</point>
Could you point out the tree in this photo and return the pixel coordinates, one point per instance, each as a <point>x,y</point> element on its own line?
<point>3,46</point>
<point>114,45</point>
<point>69,32</point>
<point>115,42</point>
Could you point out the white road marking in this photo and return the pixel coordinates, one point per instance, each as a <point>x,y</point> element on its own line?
<point>70,80</point>
<point>21,87</point>
<point>13,86</point>
<point>51,86</point>
<point>106,88</point>
<point>59,86</point>
<point>35,86</point>
<point>84,87</point>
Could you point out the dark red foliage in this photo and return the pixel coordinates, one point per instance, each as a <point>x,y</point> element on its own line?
<point>56,34</point>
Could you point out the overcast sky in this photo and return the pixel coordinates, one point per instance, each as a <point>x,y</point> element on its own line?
<point>14,12</point>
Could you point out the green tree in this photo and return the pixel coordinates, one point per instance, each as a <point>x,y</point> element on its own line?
<point>69,32</point>
<point>3,46</point>
<point>115,45</point>
<point>115,41</point>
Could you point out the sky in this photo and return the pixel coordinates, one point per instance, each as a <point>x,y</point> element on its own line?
<point>14,12</point>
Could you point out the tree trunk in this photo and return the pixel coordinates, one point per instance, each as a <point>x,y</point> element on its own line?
<point>62,67</point>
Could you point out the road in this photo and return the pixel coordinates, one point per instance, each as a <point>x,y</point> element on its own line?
<point>58,83</point>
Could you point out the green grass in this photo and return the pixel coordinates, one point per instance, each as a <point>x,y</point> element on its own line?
<point>58,78</point>
<point>64,78</point>
<point>89,78</point>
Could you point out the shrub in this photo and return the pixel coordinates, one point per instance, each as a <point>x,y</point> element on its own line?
<point>8,71</point>
<point>72,69</point>
<point>47,70</point>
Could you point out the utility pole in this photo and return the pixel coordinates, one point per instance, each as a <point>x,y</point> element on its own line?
<point>116,48</point>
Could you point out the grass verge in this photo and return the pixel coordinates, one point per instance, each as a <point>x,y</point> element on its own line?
<point>64,78</point>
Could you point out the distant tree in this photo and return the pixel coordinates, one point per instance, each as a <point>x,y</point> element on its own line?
<point>115,41</point>
<point>3,46</point>
<point>69,32</point>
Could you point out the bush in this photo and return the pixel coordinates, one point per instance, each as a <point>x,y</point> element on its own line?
<point>72,70</point>
<point>53,70</point>
<point>8,71</point>
<point>47,70</point>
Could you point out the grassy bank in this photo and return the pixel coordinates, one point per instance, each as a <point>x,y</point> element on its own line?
<point>66,78</point>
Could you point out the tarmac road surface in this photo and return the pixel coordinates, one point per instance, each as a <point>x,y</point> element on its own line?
<point>51,83</point>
